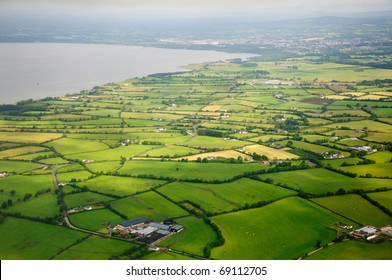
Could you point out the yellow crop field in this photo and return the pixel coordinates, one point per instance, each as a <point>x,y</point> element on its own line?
<point>28,137</point>
<point>224,154</point>
<point>270,152</point>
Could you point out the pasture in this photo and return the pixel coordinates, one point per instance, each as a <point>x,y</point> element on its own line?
<point>193,238</point>
<point>17,166</point>
<point>120,186</point>
<point>384,198</point>
<point>20,151</point>
<point>207,142</point>
<point>314,181</point>
<point>355,250</point>
<point>355,208</point>
<point>84,198</point>
<point>72,176</point>
<point>95,220</point>
<point>43,206</point>
<point>32,240</point>
<point>22,185</point>
<point>224,154</point>
<point>68,146</point>
<point>216,198</point>
<point>286,229</point>
<point>95,248</point>
<point>149,205</point>
<point>188,170</point>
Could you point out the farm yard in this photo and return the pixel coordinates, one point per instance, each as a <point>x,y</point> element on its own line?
<point>249,165</point>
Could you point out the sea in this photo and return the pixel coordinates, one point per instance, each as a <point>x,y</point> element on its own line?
<point>39,70</point>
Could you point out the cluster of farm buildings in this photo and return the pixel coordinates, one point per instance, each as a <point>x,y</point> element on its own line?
<point>148,232</point>
<point>370,232</point>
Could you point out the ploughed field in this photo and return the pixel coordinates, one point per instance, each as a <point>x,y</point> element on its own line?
<point>251,162</point>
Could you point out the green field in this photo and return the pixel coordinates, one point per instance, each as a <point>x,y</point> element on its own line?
<point>384,198</point>
<point>355,250</point>
<point>95,220</point>
<point>84,198</point>
<point>167,256</point>
<point>188,170</point>
<point>189,145</point>
<point>321,181</point>
<point>22,185</point>
<point>149,205</point>
<point>207,142</point>
<point>17,166</point>
<point>217,198</point>
<point>170,151</point>
<point>355,208</point>
<point>286,229</point>
<point>32,240</point>
<point>95,248</point>
<point>193,238</point>
<point>120,186</point>
<point>20,151</point>
<point>67,146</point>
<point>76,175</point>
<point>44,206</point>
<point>114,154</point>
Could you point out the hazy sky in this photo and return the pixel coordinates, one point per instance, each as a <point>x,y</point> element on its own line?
<point>202,7</point>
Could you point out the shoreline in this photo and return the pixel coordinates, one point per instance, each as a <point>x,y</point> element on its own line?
<point>39,70</point>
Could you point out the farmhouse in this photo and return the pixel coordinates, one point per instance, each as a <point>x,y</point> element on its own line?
<point>132,223</point>
<point>366,149</point>
<point>3,174</point>
<point>367,232</point>
<point>148,232</point>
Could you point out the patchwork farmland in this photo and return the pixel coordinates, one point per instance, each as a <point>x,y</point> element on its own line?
<point>206,164</point>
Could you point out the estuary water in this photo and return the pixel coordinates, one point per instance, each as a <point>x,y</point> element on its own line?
<point>39,70</point>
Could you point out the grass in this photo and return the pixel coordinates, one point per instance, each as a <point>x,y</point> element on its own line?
<point>29,137</point>
<point>193,238</point>
<point>188,170</point>
<point>170,151</point>
<point>311,147</point>
<point>44,206</point>
<point>67,146</point>
<point>322,181</point>
<point>17,166</point>
<point>76,175</point>
<point>114,154</point>
<point>95,248</point>
<point>356,208</point>
<point>32,240</point>
<point>20,151</point>
<point>376,170</point>
<point>149,205</point>
<point>165,255</point>
<point>84,198</point>
<point>95,220</point>
<point>285,229</point>
<point>54,161</point>
<point>216,198</point>
<point>355,250</point>
<point>223,154</point>
<point>214,143</point>
<point>120,185</point>
<point>269,152</point>
<point>384,198</point>
<point>22,185</point>
<point>104,166</point>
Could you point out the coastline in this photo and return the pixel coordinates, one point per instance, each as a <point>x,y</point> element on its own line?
<point>39,70</point>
